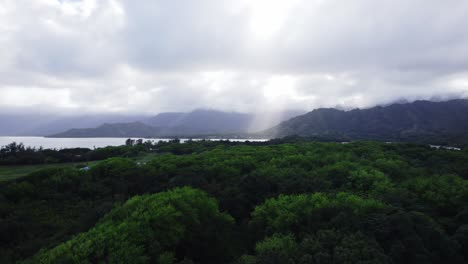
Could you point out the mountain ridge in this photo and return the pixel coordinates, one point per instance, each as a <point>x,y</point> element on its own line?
<point>418,121</point>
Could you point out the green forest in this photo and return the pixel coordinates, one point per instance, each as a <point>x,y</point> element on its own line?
<point>289,201</point>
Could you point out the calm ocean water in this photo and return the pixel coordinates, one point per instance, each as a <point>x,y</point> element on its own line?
<point>60,143</point>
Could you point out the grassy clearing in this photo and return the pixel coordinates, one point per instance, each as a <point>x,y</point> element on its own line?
<point>14,172</point>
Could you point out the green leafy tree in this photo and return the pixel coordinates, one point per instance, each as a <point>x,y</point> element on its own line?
<point>159,228</point>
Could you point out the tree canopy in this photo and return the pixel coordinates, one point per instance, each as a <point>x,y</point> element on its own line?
<point>225,202</point>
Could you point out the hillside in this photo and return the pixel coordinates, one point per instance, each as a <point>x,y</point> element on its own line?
<point>420,121</point>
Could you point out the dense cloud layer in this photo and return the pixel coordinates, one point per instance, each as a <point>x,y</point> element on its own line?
<point>259,55</point>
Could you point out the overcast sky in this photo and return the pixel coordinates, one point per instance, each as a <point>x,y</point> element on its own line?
<point>241,55</point>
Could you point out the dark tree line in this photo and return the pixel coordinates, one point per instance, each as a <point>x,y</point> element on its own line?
<point>17,154</point>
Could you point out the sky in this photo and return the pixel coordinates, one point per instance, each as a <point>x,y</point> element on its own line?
<point>151,56</point>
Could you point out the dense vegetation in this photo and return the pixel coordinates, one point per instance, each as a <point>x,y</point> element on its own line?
<point>440,123</point>
<point>275,202</point>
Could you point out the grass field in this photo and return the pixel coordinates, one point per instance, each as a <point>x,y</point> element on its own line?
<point>14,172</point>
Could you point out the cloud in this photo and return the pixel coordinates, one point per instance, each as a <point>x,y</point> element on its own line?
<point>178,55</point>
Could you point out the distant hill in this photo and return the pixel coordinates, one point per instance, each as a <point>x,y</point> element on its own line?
<point>134,129</point>
<point>420,121</point>
<point>195,123</point>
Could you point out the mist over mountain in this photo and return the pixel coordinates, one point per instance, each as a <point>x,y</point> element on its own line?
<point>420,121</point>
<point>202,121</point>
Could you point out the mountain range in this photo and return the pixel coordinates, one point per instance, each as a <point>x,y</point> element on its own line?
<point>420,121</point>
<point>196,123</point>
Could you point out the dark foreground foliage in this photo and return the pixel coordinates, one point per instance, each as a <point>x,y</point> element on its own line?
<point>302,202</point>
